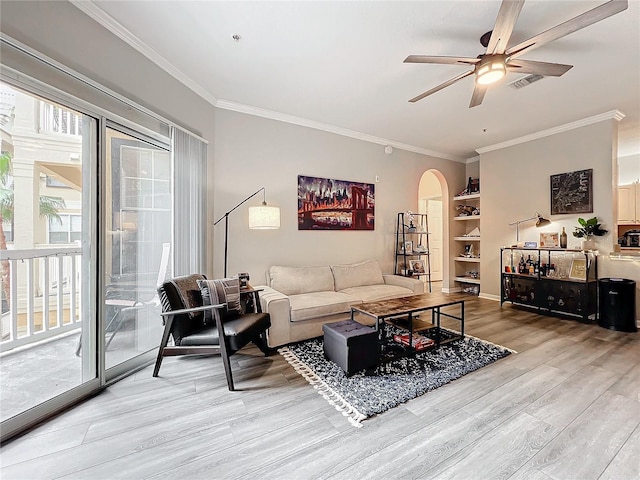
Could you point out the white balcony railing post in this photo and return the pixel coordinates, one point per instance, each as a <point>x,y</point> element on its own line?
<point>45,294</point>
<point>30,310</point>
<point>60,313</point>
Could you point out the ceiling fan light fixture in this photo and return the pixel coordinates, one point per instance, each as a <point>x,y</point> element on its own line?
<point>490,71</point>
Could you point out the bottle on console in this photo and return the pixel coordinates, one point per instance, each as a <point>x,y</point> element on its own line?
<point>563,239</point>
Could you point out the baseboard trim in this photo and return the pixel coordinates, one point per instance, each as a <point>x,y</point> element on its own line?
<point>451,290</point>
<point>489,296</point>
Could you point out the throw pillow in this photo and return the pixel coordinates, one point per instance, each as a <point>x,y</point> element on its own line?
<point>224,290</point>
<point>188,290</point>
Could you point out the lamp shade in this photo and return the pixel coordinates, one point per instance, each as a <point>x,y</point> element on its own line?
<point>541,222</point>
<point>264,217</point>
<point>490,70</point>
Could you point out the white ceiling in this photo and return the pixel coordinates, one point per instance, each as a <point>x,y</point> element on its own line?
<point>340,64</point>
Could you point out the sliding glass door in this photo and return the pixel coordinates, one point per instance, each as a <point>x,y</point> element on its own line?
<point>137,236</point>
<point>48,209</point>
<point>85,239</point>
<point>88,184</point>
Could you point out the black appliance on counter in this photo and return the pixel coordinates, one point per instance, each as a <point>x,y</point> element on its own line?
<point>630,238</point>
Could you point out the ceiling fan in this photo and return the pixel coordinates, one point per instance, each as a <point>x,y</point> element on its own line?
<point>498,60</point>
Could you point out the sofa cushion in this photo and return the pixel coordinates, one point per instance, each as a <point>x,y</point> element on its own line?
<point>373,293</point>
<point>296,280</point>
<point>357,275</point>
<point>319,304</point>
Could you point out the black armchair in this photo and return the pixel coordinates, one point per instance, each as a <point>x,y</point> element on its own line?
<point>196,311</point>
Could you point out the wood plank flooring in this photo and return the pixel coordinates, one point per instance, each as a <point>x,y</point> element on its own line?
<point>566,406</point>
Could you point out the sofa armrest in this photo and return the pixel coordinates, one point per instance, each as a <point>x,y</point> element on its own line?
<point>278,306</point>
<point>413,284</point>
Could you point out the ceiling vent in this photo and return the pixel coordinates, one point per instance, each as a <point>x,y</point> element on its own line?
<point>524,81</point>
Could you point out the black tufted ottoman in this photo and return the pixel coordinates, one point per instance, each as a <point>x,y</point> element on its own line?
<point>351,345</point>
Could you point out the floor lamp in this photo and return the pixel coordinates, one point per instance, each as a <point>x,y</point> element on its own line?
<point>261,217</point>
<point>540,221</point>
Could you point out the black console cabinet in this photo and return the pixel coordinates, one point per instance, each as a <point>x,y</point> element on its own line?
<point>554,281</point>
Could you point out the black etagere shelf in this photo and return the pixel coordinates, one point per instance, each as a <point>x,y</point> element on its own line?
<point>412,246</point>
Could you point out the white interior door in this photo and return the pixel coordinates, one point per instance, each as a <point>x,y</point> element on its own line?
<point>434,212</point>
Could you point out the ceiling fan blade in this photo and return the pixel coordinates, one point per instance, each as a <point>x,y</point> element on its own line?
<point>441,60</point>
<point>581,21</point>
<point>441,86</point>
<point>478,95</point>
<point>505,22</point>
<point>539,68</point>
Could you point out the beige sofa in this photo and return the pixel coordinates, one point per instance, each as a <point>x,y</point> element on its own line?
<point>302,299</point>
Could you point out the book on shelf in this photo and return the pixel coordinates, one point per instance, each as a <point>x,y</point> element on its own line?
<point>418,342</point>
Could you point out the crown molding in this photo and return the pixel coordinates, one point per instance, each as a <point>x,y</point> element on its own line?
<point>345,132</point>
<point>120,31</point>
<point>611,115</point>
<point>111,24</point>
<point>472,159</point>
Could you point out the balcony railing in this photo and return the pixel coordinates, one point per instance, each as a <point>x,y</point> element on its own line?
<point>44,295</point>
<point>55,119</point>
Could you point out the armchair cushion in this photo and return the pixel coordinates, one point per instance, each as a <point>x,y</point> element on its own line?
<point>239,331</point>
<point>225,290</point>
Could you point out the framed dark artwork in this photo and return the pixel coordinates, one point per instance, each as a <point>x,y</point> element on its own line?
<point>572,192</point>
<point>328,204</point>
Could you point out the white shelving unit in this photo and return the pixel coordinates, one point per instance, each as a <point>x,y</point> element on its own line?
<point>467,253</point>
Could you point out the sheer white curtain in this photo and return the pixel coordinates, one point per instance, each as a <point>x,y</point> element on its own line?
<point>190,183</point>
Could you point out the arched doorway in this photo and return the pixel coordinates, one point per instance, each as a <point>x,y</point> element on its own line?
<point>432,195</point>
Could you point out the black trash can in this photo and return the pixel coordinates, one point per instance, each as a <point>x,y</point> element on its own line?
<point>617,304</point>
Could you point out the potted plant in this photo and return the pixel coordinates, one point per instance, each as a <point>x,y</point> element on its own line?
<point>587,230</point>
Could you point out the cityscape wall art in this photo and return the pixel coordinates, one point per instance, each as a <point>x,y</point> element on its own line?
<point>329,204</point>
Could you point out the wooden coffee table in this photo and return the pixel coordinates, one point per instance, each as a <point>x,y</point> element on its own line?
<point>407,307</point>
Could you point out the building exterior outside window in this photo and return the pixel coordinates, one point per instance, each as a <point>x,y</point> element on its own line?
<point>66,230</point>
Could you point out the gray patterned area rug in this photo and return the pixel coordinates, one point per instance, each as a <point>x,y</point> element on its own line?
<point>363,395</point>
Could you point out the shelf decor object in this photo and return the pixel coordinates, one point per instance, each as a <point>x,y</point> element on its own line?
<point>549,240</point>
<point>587,229</point>
<point>261,217</point>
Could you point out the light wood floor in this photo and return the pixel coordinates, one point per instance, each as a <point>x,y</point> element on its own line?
<point>567,406</point>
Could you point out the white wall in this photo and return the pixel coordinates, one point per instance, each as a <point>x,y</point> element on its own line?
<point>473,171</point>
<point>515,184</point>
<point>251,152</point>
<point>629,169</point>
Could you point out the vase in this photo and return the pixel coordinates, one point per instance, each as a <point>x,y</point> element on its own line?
<point>588,244</point>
